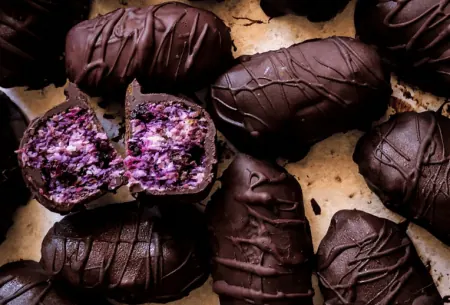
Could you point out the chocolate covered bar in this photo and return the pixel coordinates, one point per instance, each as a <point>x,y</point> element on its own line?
<point>405,162</point>
<point>13,192</point>
<point>171,150</point>
<point>32,35</point>
<point>364,259</point>
<point>66,157</point>
<point>26,283</point>
<point>261,240</point>
<point>130,253</point>
<point>281,102</point>
<point>169,47</point>
<point>412,35</point>
<point>314,10</point>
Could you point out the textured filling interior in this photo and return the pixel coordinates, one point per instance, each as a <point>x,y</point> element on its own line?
<point>166,149</point>
<point>75,158</point>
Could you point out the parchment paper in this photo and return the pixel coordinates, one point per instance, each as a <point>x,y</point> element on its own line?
<point>327,174</point>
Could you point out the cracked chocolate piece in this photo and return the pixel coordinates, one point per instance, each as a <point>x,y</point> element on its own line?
<point>364,259</point>
<point>412,35</point>
<point>170,47</point>
<point>279,103</point>
<point>13,192</point>
<point>32,36</point>
<point>405,162</point>
<point>26,283</point>
<point>262,246</point>
<point>130,253</point>
<point>66,157</point>
<point>171,149</point>
<point>314,10</point>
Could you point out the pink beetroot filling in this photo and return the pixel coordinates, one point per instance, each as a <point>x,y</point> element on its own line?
<point>166,150</point>
<point>74,157</point>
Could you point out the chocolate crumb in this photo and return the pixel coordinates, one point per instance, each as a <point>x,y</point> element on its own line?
<point>351,195</point>
<point>316,207</point>
<point>338,179</point>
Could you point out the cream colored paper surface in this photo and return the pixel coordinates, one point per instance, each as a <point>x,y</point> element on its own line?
<point>327,174</point>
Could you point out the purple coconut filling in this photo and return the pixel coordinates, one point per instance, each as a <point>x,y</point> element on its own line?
<point>74,157</point>
<point>166,149</point>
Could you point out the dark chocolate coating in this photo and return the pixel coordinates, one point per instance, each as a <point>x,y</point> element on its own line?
<point>26,283</point>
<point>168,47</point>
<point>33,179</point>
<point>314,10</point>
<point>364,259</point>
<point>260,236</point>
<point>405,162</point>
<point>134,98</point>
<point>32,35</point>
<point>131,254</point>
<point>13,191</point>
<point>281,102</point>
<point>412,35</point>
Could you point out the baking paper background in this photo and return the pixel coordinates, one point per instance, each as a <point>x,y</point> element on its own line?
<point>327,174</point>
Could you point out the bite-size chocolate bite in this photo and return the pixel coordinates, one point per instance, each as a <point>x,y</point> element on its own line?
<point>405,162</point>
<point>171,148</point>
<point>281,102</point>
<point>32,36</point>
<point>26,283</point>
<point>13,192</point>
<point>314,10</point>
<point>170,47</point>
<point>66,157</point>
<point>364,259</point>
<point>261,240</point>
<point>412,35</point>
<point>130,253</point>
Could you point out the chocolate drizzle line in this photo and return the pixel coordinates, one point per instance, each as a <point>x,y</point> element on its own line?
<point>74,253</point>
<point>369,249</point>
<point>431,19</point>
<point>260,245</point>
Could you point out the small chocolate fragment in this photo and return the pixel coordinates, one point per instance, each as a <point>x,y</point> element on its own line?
<point>13,192</point>
<point>26,283</point>
<point>364,259</point>
<point>32,35</point>
<point>316,207</point>
<point>66,157</point>
<point>261,238</point>
<point>412,35</point>
<point>405,162</point>
<point>314,10</point>
<point>171,149</point>
<point>130,253</point>
<point>170,47</point>
<point>281,102</point>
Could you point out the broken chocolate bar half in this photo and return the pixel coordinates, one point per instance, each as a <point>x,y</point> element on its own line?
<point>364,259</point>
<point>130,253</point>
<point>261,240</point>
<point>66,157</point>
<point>171,149</point>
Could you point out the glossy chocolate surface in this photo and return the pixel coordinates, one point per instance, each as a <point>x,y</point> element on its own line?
<point>131,254</point>
<point>364,259</point>
<point>262,247</point>
<point>315,10</point>
<point>169,47</point>
<point>279,103</point>
<point>412,35</point>
<point>66,167</point>
<point>406,163</point>
<point>178,161</point>
<point>32,35</point>
<point>13,191</point>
